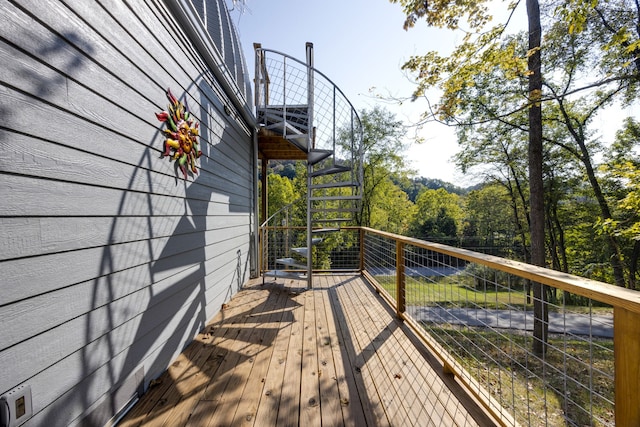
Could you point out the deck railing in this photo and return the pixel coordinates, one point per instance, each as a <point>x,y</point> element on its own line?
<point>475,312</point>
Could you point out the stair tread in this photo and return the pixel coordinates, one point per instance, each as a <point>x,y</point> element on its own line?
<point>331,170</point>
<point>335,210</point>
<point>291,262</point>
<point>316,155</point>
<point>325,230</point>
<point>280,107</point>
<point>327,220</point>
<point>284,274</point>
<point>320,198</point>
<point>286,127</point>
<point>335,185</point>
<point>291,115</point>
<point>301,251</point>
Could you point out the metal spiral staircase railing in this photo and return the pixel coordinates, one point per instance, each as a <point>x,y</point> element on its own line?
<point>302,114</point>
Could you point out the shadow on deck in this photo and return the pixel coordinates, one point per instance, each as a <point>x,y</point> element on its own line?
<point>278,354</point>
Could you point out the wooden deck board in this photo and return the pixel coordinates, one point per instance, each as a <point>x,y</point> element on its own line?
<point>282,355</point>
<point>373,412</point>
<point>374,368</point>
<point>267,412</point>
<point>250,376</point>
<point>407,383</point>
<point>164,396</point>
<point>289,402</point>
<point>309,381</point>
<point>331,399</point>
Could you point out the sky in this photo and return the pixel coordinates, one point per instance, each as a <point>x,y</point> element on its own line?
<point>361,45</point>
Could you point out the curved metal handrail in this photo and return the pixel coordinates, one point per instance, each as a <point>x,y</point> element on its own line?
<point>315,70</point>
<point>270,246</point>
<point>282,81</point>
<point>278,212</point>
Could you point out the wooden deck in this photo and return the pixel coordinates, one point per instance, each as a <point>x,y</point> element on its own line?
<point>278,354</point>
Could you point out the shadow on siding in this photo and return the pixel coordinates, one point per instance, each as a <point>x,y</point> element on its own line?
<point>146,315</point>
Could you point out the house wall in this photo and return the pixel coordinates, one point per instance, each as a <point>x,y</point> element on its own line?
<point>110,261</point>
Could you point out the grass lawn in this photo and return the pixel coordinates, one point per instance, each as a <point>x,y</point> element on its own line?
<point>458,291</point>
<point>538,393</point>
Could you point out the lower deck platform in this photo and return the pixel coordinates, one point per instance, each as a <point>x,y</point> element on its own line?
<point>281,355</point>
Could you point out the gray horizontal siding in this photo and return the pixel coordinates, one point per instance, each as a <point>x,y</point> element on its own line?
<point>110,261</point>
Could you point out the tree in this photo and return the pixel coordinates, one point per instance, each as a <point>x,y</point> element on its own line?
<point>392,210</point>
<point>499,155</point>
<point>438,216</point>
<point>605,45</point>
<point>281,192</point>
<point>622,169</point>
<point>381,156</point>
<point>593,49</point>
<point>536,183</point>
<point>489,223</point>
<point>477,56</point>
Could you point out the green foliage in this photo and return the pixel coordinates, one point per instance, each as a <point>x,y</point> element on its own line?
<point>280,192</point>
<point>610,32</point>
<point>481,51</point>
<point>445,13</point>
<point>382,158</point>
<point>627,223</point>
<point>412,187</point>
<point>285,168</point>
<point>489,221</point>
<point>392,210</point>
<point>575,13</point>
<point>456,73</point>
<point>586,250</point>
<point>439,216</point>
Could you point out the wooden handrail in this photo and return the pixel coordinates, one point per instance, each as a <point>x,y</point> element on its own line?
<point>400,279</point>
<point>598,291</point>
<point>625,302</point>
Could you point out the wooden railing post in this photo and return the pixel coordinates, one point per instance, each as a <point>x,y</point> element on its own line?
<point>400,281</point>
<point>626,351</point>
<point>260,250</point>
<point>361,235</point>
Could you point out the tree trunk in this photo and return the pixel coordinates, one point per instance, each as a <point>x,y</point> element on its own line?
<point>614,246</point>
<point>584,156</point>
<point>541,316</point>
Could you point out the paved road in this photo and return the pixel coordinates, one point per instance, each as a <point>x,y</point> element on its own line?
<point>577,324</point>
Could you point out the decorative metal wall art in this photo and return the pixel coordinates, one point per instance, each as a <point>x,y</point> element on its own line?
<point>181,141</point>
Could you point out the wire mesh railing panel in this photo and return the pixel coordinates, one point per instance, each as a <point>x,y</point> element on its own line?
<point>380,261</point>
<point>540,360</point>
<point>287,82</point>
<point>278,242</point>
<point>283,81</point>
<point>336,251</point>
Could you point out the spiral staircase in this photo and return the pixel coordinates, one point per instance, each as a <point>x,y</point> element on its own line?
<point>303,115</point>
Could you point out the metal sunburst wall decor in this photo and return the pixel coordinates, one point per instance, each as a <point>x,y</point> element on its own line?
<point>181,134</point>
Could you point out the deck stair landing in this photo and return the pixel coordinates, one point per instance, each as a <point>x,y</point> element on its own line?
<point>282,355</point>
